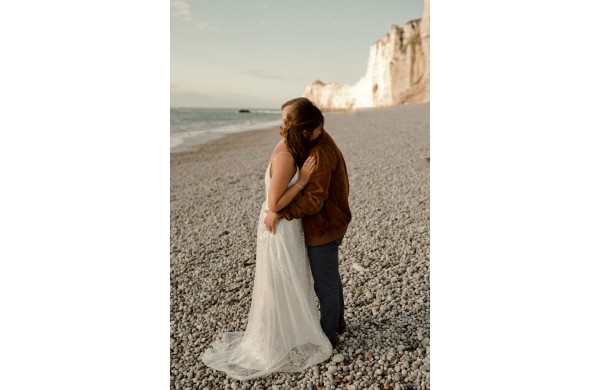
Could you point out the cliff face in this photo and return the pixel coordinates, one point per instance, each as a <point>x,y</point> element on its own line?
<point>397,72</point>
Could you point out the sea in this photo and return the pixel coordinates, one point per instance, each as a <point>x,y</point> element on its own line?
<point>190,126</point>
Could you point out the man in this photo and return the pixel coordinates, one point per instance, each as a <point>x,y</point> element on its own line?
<point>323,207</point>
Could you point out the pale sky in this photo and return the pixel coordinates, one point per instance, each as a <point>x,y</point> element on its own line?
<point>260,53</point>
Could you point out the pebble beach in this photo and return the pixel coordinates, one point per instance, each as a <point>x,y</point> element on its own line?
<point>216,193</point>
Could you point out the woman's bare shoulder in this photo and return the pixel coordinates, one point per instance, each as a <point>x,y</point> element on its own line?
<point>279,150</point>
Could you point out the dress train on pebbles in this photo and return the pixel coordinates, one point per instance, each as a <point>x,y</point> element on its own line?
<point>283,333</point>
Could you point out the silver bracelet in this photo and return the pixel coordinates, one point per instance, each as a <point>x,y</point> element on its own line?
<point>299,186</point>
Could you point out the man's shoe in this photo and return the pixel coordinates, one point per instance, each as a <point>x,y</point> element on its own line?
<point>341,326</point>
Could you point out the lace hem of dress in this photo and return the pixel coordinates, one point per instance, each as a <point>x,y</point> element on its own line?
<point>222,357</point>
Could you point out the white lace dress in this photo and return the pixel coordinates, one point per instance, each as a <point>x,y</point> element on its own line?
<point>283,331</point>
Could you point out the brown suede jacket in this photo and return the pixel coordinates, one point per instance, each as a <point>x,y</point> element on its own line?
<point>323,205</point>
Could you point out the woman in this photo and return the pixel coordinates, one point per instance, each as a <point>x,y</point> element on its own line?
<point>283,331</point>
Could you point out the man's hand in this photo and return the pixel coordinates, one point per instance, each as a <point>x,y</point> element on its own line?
<point>270,221</point>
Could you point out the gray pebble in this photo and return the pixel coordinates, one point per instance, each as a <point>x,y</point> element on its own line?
<point>338,358</point>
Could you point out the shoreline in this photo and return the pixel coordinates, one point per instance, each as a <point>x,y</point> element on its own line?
<point>190,143</point>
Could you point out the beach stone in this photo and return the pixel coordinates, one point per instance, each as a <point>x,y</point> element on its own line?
<point>378,298</point>
<point>338,358</point>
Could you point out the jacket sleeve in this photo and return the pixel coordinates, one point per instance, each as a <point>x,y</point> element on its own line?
<point>317,189</point>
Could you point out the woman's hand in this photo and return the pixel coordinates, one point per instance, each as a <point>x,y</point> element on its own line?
<point>270,221</point>
<point>307,169</point>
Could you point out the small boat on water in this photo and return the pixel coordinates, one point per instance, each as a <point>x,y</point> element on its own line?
<point>244,111</point>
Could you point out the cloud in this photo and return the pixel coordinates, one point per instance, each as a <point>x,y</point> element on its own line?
<point>205,26</point>
<point>186,98</point>
<point>263,75</point>
<point>268,75</point>
<point>181,9</point>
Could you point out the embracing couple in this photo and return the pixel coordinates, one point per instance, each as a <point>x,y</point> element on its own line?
<point>301,226</point>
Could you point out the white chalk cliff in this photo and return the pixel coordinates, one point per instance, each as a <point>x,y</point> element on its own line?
<point>397,72</point>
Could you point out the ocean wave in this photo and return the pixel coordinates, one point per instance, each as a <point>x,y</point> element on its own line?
<point>204,135</point>
<point>244,126</point>
<point>266,111</point>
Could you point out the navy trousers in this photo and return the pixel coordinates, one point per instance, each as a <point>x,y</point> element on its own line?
<point>328,284</point>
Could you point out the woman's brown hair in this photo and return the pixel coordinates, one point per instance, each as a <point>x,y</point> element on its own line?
<point>302,118</point>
